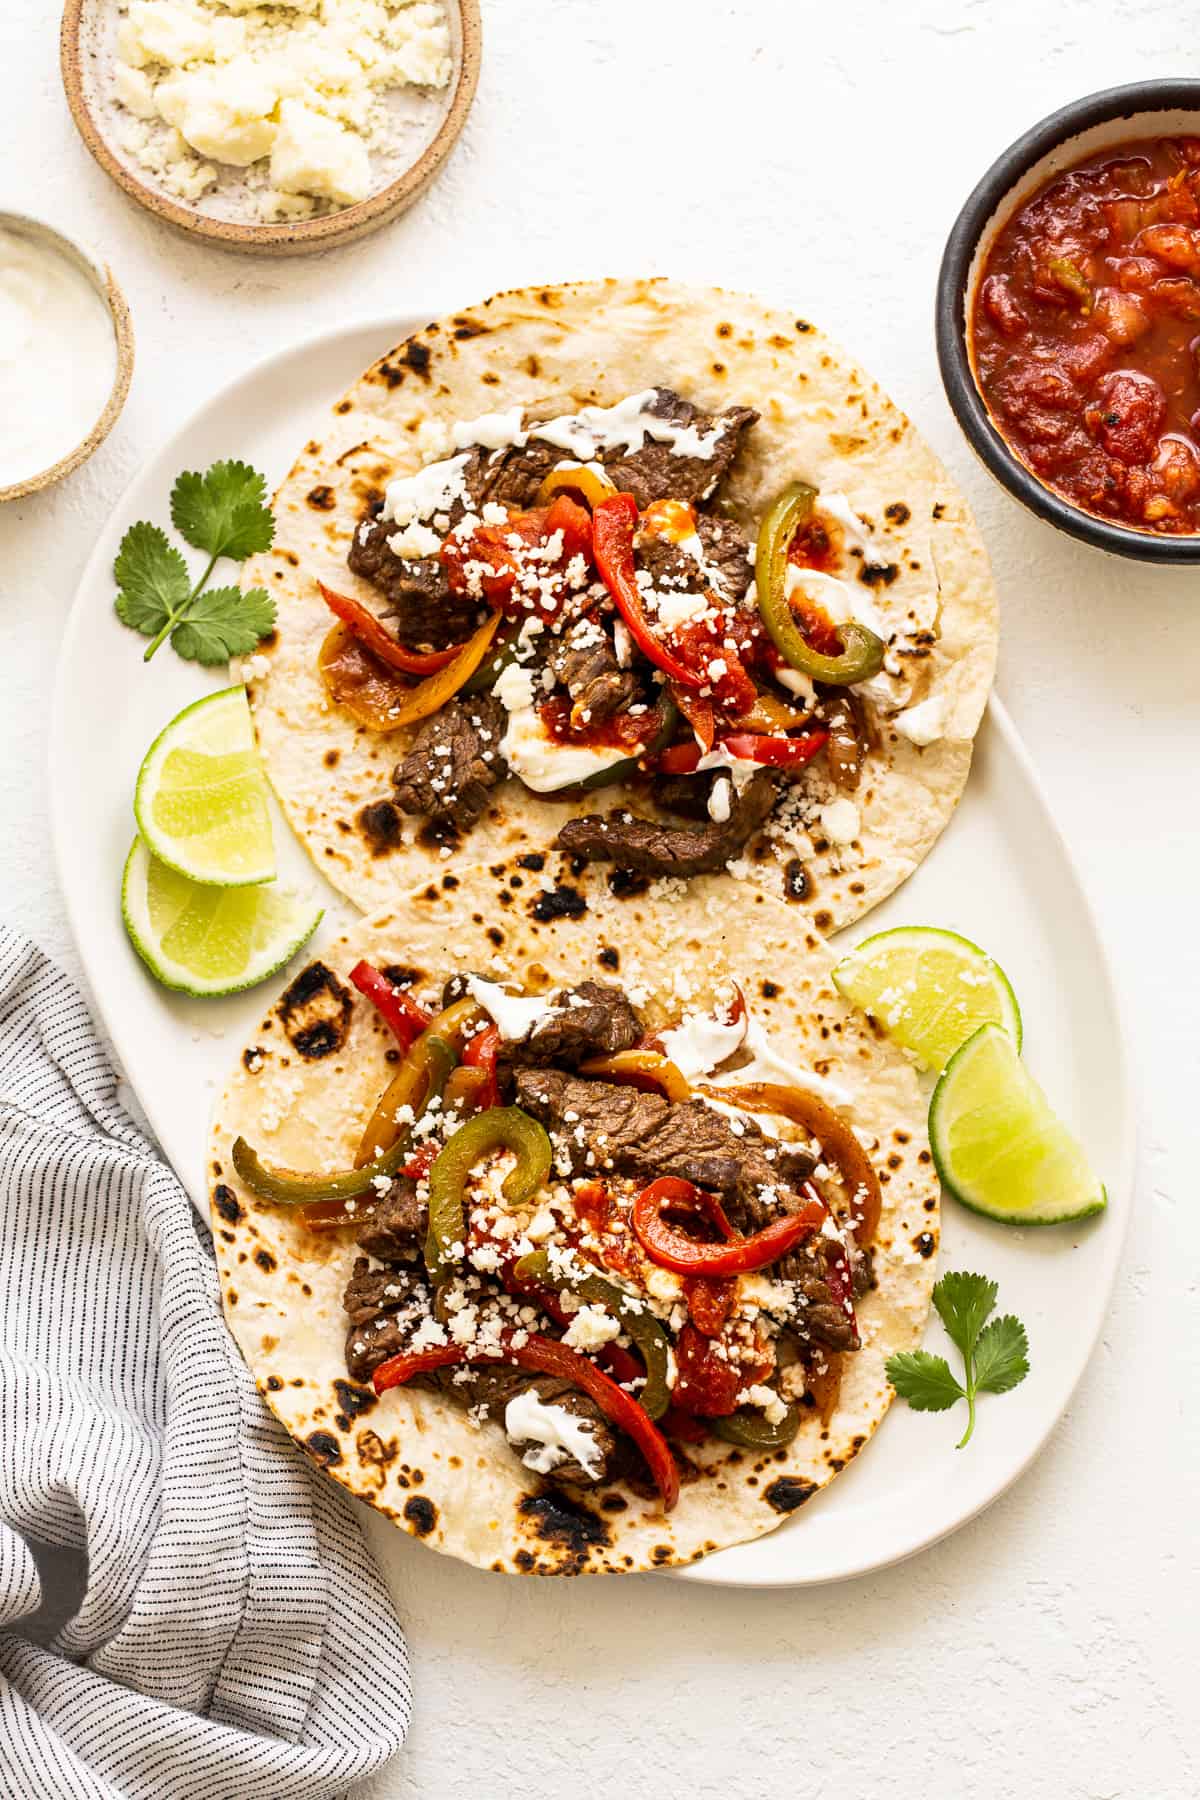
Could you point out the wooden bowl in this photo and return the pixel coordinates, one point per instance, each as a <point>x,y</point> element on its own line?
<point>105,284</point>
<point>81,56</point>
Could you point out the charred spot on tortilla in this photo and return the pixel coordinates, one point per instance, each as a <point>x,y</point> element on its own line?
<point>559,1520</point>
<point>315,1012</point>
<point>416,356</point>
<point>625,884</point>
<point>421,1514</point>
<point>274,1384</point>
<point>265,1261</point>
<point>227,1204</point>
<point>609,957</point>
<point>324,1448</point>
<point>562,902</point>
<point>797,883</point>
<point>925,1243</point>
<point>353,1399</point>
<point>332,758</point>
<point>789,1492</point>
<point>322,498</point>
<point>253,1058</point>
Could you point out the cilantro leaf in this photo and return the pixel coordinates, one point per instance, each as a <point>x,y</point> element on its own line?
<point>152,578</point>
<point>964,1302</point>
<point>995,1353</point>
<point>1001,1355</point>
<point>224,622</point>
<point>925,1381</point>
<point>224,512</point>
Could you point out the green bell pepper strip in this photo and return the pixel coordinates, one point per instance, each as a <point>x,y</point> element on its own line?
<point>420,1078</point>
<point>500,1128</point>
<point>862,651</point>
<point>645,1330</point>
<point>754,1431</point>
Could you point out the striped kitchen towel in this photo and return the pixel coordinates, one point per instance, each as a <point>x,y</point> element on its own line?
<point>233,1639</point>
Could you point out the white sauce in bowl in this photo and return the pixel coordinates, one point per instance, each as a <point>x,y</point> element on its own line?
<point>58,356</point>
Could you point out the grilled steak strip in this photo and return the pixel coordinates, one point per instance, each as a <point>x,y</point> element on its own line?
<point>454,762</point>
<point>396,1228</point>
<point>584,661</point>
<point>726,550</point>
<point>592,1019</point>
<point>644,1136</point>
<point>656,849</point>
<point>422,611</point>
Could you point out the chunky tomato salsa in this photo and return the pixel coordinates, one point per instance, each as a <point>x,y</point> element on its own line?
<point>1086,334</point>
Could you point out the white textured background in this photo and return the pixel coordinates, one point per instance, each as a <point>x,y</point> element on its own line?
<point>1048,1651</point>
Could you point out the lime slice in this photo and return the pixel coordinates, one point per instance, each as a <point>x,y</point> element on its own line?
<point>998,1146</point>
<point>928,989</point>
<point>201,799</point>
<point>202,939</point>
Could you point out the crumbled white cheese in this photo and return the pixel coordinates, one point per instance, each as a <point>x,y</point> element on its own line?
<point>410,499</point>
<point>514,689</point>
<point>416,540</point>
<point>299,82</point>
<point>773,1408</point>
<point>591,1329</point>
<point>840,820</point>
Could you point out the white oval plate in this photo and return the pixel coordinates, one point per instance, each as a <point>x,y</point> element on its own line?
<point>1001,875</point>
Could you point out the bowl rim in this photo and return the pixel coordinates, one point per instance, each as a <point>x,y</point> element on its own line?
<point>967,403</point>
<point>294,237</point>
<point>107,287</point>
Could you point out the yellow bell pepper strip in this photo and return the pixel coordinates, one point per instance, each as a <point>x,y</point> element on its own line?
<point>548,1357</point>
<point>648,1335</point>
<point>423,1072</point>
<point>370,692</point>
<point>862,650</point>
<point>641,1069</point>
<point>839,1143</point>
<point>500,1128</point>
<point>613,525</point>
<point>754,1431</point>
<point>576,478</point>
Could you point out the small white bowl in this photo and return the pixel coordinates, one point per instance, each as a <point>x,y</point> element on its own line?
<point>104,282</point>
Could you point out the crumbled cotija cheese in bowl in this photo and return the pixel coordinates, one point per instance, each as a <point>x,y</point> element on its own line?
<point>272,110</point>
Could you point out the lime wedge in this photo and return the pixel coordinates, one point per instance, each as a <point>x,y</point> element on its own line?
<point>998,1146</point>
<point>201,939</point>
<point>201,799</point>
<point>929,990</point>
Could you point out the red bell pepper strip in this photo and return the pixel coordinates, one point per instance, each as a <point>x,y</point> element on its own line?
<point>551,1358</point>
<point>613,523</point>
<point>480,1053</point>
<point>672,1249</point>
<point>406,1018</point>
<point>779,752</point>
<point>361,623</point>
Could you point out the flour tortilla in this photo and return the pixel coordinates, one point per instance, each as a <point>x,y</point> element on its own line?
<point>552,350</point>
<point>412,1454</point>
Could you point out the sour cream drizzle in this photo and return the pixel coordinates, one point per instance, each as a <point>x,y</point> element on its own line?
<point>58,356</point>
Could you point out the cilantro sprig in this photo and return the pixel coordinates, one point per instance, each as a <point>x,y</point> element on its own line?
<point>995,1352</point>
<point>225,514</point>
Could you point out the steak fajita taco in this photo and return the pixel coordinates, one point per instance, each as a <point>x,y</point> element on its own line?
<point>649,576</point>
<point>568,1257</point>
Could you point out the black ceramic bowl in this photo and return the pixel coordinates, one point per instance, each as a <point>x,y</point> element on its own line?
<point>1144,109</point>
